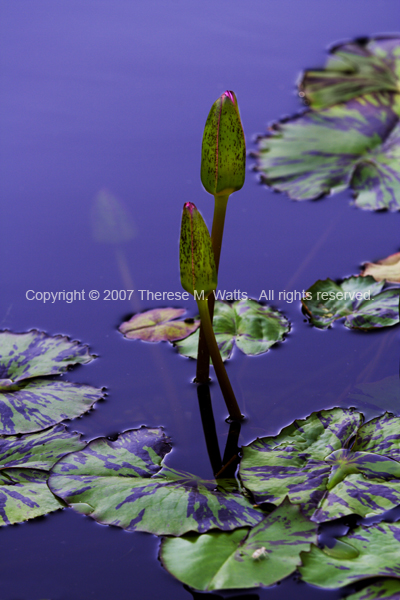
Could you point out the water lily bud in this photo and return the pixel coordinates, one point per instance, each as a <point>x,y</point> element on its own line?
<point>223,153</point>
<point>198,272</point>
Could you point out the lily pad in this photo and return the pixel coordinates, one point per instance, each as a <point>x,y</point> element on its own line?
<point>360,300</point>
<point>243,558</point>
<point>354,144</point>
<point>378,556</point>
<point>34,354</point>
<point>159,325</point>
<point>353,69</point>
<point>252,327</point>
<point>24,465</point>
<point>36,404</point>
<point>120,483</point>
<point>386,269</point>
<point>316,464</point>
<point>388,588</point>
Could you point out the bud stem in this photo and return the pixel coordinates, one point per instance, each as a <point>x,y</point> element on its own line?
<point>203,355</point>
<point>223,380</point>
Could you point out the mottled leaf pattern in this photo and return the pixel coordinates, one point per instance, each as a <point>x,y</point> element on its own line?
<point>243,558</point>
<point>378,555</point>
<point>40,403</point>
<point>24,465</point>
<point>359,300</point>
<point>299,463</point>
<point>388,588</point>
<point>158,325</point>
<point>118,483</point>
<point>252,327</point>
<point>355,144</point>
<point>34,354</point>
<point>353,69</point>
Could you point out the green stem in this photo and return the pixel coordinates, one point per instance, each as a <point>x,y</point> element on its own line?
<point>217,232</point>
<point>223,379</point>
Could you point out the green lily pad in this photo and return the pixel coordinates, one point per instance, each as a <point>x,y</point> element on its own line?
<point>315,464</point>
<point>158,325</point>
<point>252,327</point>
<point>360,300</point>
<point>36,404</point>
<point>24,465</point>
<point>34,354</point>
<point>243,558</point>
<point>378,556</point>
<point>353,69</point>
<point>120,483</point>
<point>388,588</point>
<point>354,144</point>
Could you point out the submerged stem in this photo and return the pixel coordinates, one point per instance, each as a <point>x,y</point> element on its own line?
<point>223,379</point>
<point>217,232</point>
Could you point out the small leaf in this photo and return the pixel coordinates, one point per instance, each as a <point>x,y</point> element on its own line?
<point>197,264</point>
<point>34,354</point>
<point>243,558</point>
<point>252,327</point>
<point>39,403</point>
<point>353,69</point>
<point>123,483</point>
<point>158,325</point>
<point>24,465</point>
<point>341,549</point>
<point>378,556</point>
<point>223,153</point>
<point>386,269</point>
<point>355,144</point>
<point>386,588</point>
<point>360,300</point>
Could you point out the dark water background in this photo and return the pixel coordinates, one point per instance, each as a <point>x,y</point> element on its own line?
<point>102,94</point>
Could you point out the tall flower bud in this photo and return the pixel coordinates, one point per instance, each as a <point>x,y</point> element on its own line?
<point>198,272</point>
<point>223,153</point>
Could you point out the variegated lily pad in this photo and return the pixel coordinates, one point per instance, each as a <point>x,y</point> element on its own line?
<point>243,558</point>
<point>353,69</point>
<point>29,403</point>
<point>316,464</point>
<point>252,327</point>
<point>36,404</point>
<point>120,483</point>
<point>24,465</point>
<point>34,354</point>
<point>159,325</point>
<point>376,555</point>
<point>388,588</point>
<point>359,300</point>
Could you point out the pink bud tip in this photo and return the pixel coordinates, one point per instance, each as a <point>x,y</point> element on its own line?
<point>189,206</point>
<point>229,95</point>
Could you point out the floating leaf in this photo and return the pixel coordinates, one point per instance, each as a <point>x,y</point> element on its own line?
<point>388,588</point>
<point>353,69</point>
<point>24,465</point>
<point>378,555</point>
<point>253,327</point>
<point>34,354</point>
<point>158,325</point>
<point>242,558</point>
<point>39,403</point>
<point>355,144</point>
<point>360,300</point>
<point>311,462</point>
<point>386,269</point>
<point>119,483</point>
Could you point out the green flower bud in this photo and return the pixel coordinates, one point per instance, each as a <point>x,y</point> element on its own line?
<point>223,153</point>
<point>198,272</point>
